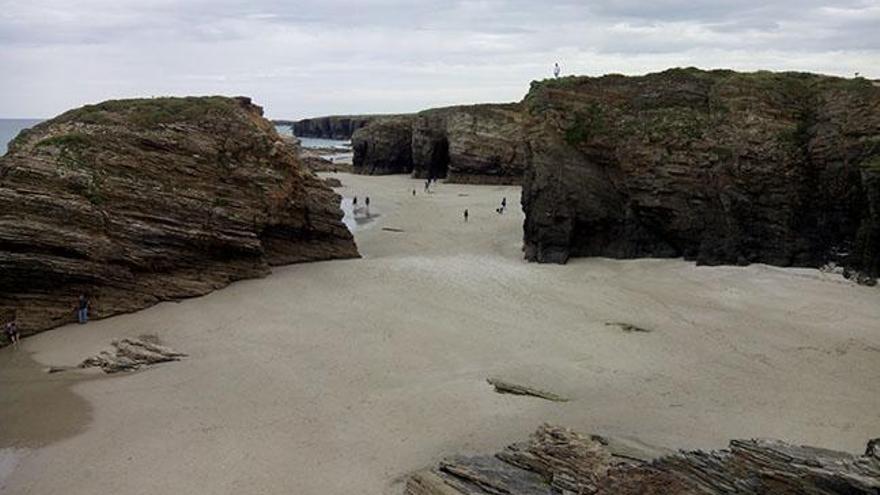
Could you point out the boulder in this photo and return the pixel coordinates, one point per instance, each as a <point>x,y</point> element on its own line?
<point>720,167</point>
<point>140,201</point>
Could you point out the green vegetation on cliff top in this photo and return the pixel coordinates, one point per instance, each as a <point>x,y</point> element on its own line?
<point>150,112</point>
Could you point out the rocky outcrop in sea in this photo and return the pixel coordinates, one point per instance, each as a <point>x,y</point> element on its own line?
<point>340,127</point>
<point>134,202</point>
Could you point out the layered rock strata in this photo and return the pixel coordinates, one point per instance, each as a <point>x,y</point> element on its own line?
<point>138,201</point>
<point>559,461</point>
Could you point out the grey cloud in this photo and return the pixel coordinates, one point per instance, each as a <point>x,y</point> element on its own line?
<point>310,56</point>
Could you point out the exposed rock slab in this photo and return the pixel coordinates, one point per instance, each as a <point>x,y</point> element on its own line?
<point>720,167</point>
<point>131,355</point>
<point>557,460</point>
<point>139,201</point>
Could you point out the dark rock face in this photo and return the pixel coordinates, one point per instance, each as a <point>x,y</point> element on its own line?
<point>478,144</point>
<point>383,147</point>
<point>717,166</point>
<point>557,460</point>
<point>474,144</point>
<point>139,201</point>
<point>329,127</point>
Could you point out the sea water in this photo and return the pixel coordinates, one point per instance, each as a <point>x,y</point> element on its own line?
<point>307,142</point>
<point>9,128</point>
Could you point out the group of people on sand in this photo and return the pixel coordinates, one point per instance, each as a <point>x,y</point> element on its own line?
<point>466,214</point>
<point>500,210</point>
<point>428,183</point>
<point>364,209</point>
<point>13,333</point>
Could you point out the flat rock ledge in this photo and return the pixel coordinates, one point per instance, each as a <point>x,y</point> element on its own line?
<point>131,355</point>
<point>560,461</point>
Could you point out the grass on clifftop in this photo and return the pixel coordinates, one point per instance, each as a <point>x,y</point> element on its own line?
<point>150,112</point>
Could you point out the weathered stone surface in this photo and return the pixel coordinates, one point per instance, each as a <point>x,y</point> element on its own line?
<point>384,147</point>
<point>720,167</point>
<point>557,460</point>
<point>139,201</point>
<point>131,355</point>
<point>471,144</point>
<point>330,126</point>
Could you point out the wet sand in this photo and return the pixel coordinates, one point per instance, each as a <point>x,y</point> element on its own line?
<point>343,376</point>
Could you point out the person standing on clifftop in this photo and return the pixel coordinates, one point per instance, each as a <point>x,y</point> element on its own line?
<point>82,309</point>
<point>556,70</point>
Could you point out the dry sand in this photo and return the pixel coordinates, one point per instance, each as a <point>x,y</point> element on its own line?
<point>341,377</point>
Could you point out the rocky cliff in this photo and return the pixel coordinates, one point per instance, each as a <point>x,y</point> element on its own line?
<point>329,127</point>
<point>720,167</point>
<point>139,201</point>
<point>383,147</point>
<point>475,143</point>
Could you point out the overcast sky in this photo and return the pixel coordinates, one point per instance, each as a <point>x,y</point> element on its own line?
<point>315,57</point>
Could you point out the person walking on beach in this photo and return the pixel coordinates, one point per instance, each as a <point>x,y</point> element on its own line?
<point>82,309</point>
<point>503,204</point>
<point>465,215</point>
<point>414,192</point>
<point>427,184</point>
<point>367,202</point>
<point>12,332</point>
<point>556,70</point>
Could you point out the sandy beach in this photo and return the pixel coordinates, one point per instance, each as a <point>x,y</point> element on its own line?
<point>342,377</point>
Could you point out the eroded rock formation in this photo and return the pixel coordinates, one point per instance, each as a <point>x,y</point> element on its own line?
<point>471,144</point>
<point>720,167</point>
<point>559,461</point>
<point>139,201</point>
